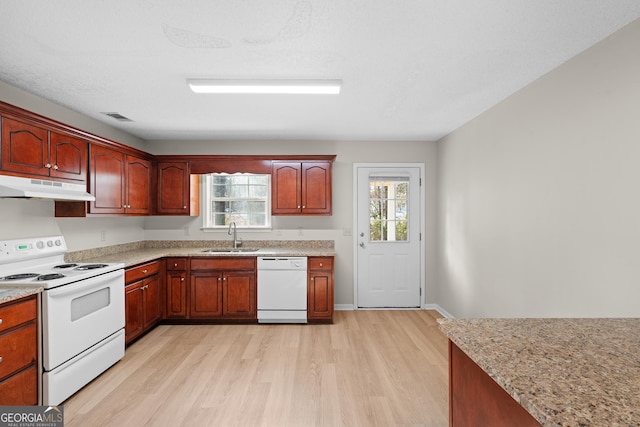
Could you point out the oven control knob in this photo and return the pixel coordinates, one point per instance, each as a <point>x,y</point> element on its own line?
<point>40,244</point>
<point>58,242</point>
<point>49,243</point>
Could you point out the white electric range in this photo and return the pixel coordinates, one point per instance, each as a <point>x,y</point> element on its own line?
<point>81,312</point>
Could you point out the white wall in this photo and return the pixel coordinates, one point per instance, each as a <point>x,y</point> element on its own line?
<point>539,197</point>
<point>335,227</point>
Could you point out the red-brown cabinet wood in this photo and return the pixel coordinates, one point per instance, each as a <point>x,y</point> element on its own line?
<point>143,299</point>
<point>239,294</point>
<point>177,288</point>
<point>206,294</point>
<point>178,191</point>
<point>107,180</point>
<point>223,287</point>
<point>18,350</point>
<point>68,157</point>
<point>320,289</point>
<point>301,188</point>
<point>138,186</point>
<point>475,399</point>
<point>121,183</point>
<point>31,150</point>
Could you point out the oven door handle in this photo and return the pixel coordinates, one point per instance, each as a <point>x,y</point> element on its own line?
<point>85,285</point>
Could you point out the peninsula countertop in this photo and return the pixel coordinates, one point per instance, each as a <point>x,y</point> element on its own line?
<point>564,372</point>
<point>140,252</point>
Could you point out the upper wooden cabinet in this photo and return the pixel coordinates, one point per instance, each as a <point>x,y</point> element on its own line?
<point>301,188</point>
<point>178,190</point>
<point>31,150</point>
<point>121,183</point>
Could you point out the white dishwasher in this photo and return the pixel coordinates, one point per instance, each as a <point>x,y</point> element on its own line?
<point>282,289</point>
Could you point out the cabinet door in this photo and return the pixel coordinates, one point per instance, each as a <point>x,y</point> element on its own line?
<point>320,288</point>
<point>176,294</point>
<point>206,294</point>
<point>239,294</point>
<point>138,186</point>
<point>133,307</point>
<point>286,188</point>
<point>25,148</point>
<point>107,177</point>
<point>316,188</point>
<point>152,300</point>
<point>20,389</point>
<point>173,188</point>
<point>68,157</point>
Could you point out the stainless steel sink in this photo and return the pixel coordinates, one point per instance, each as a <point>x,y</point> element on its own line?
<point>226,251</point>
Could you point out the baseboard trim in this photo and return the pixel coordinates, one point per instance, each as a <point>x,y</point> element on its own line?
<point>439,309</point>
<point>436,307</point>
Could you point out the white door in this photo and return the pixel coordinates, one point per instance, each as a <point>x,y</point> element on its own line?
<point>388,233</point>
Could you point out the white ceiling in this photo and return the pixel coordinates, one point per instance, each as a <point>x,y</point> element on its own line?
<point>412,70</point>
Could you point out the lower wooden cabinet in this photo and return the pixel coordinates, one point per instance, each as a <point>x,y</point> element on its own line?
<point>222,288</point>
<point>320,289</point>
<point>475,399</point>
<point>18,352</point>
<point>143,299</point>
<point>212,288</point>
<point>176,283</point>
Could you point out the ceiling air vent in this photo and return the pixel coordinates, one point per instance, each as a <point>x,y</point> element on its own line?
<point>119,117</point>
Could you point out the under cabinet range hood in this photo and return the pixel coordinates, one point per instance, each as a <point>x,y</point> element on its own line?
<point>32,188</point>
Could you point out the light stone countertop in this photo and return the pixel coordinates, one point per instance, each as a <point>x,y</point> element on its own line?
<point>12,293</point>
<point>564,372</point>
<point>141,252</point>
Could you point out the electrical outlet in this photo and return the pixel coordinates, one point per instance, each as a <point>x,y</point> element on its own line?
<point>300,232</point>
<point>103,235</point>
<point>186,231</point>
<point>346,232</point>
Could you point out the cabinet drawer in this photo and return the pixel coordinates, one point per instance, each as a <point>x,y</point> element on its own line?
<point>224,263</point>
<point>176,263</point>
<point>20,389</point>
<point>15,314</point>
<point>17,349</point>
<point>320,263</point>
<point>142,271</point>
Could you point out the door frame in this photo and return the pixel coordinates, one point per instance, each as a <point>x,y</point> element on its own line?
<point>422,195</point>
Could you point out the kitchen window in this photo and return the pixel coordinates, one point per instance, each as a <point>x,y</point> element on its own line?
<point>243,198</point>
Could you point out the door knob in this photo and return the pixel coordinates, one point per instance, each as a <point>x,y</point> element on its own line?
<point>362,244</point>
<point>362,234</point>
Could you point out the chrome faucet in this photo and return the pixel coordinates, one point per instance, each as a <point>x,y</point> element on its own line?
<point>236,242</point>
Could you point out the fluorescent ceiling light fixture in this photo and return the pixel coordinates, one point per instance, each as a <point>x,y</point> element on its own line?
<point>302,87</point>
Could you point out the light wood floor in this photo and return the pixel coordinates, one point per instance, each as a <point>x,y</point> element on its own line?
<point>370,368</point>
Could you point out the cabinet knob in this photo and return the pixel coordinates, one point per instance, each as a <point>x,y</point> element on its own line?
<point>145,271</point>
<point>182,279</point>
<point>175,265</point>
<point>184,207</point>
<point>298,206</point>
<point>304,207</point>
<point>47,165</point>
<point>0,321</point>
<point>320,264</point>
<point>55,167</point>
<point>0,359</point>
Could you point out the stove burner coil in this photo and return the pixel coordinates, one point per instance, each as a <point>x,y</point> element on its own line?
<point>20,276</point>
<point>90,267</point>
<point>66,265</point>
<point>51,276</point>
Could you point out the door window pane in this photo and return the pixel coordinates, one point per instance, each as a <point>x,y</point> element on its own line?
<point>388,209</point>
